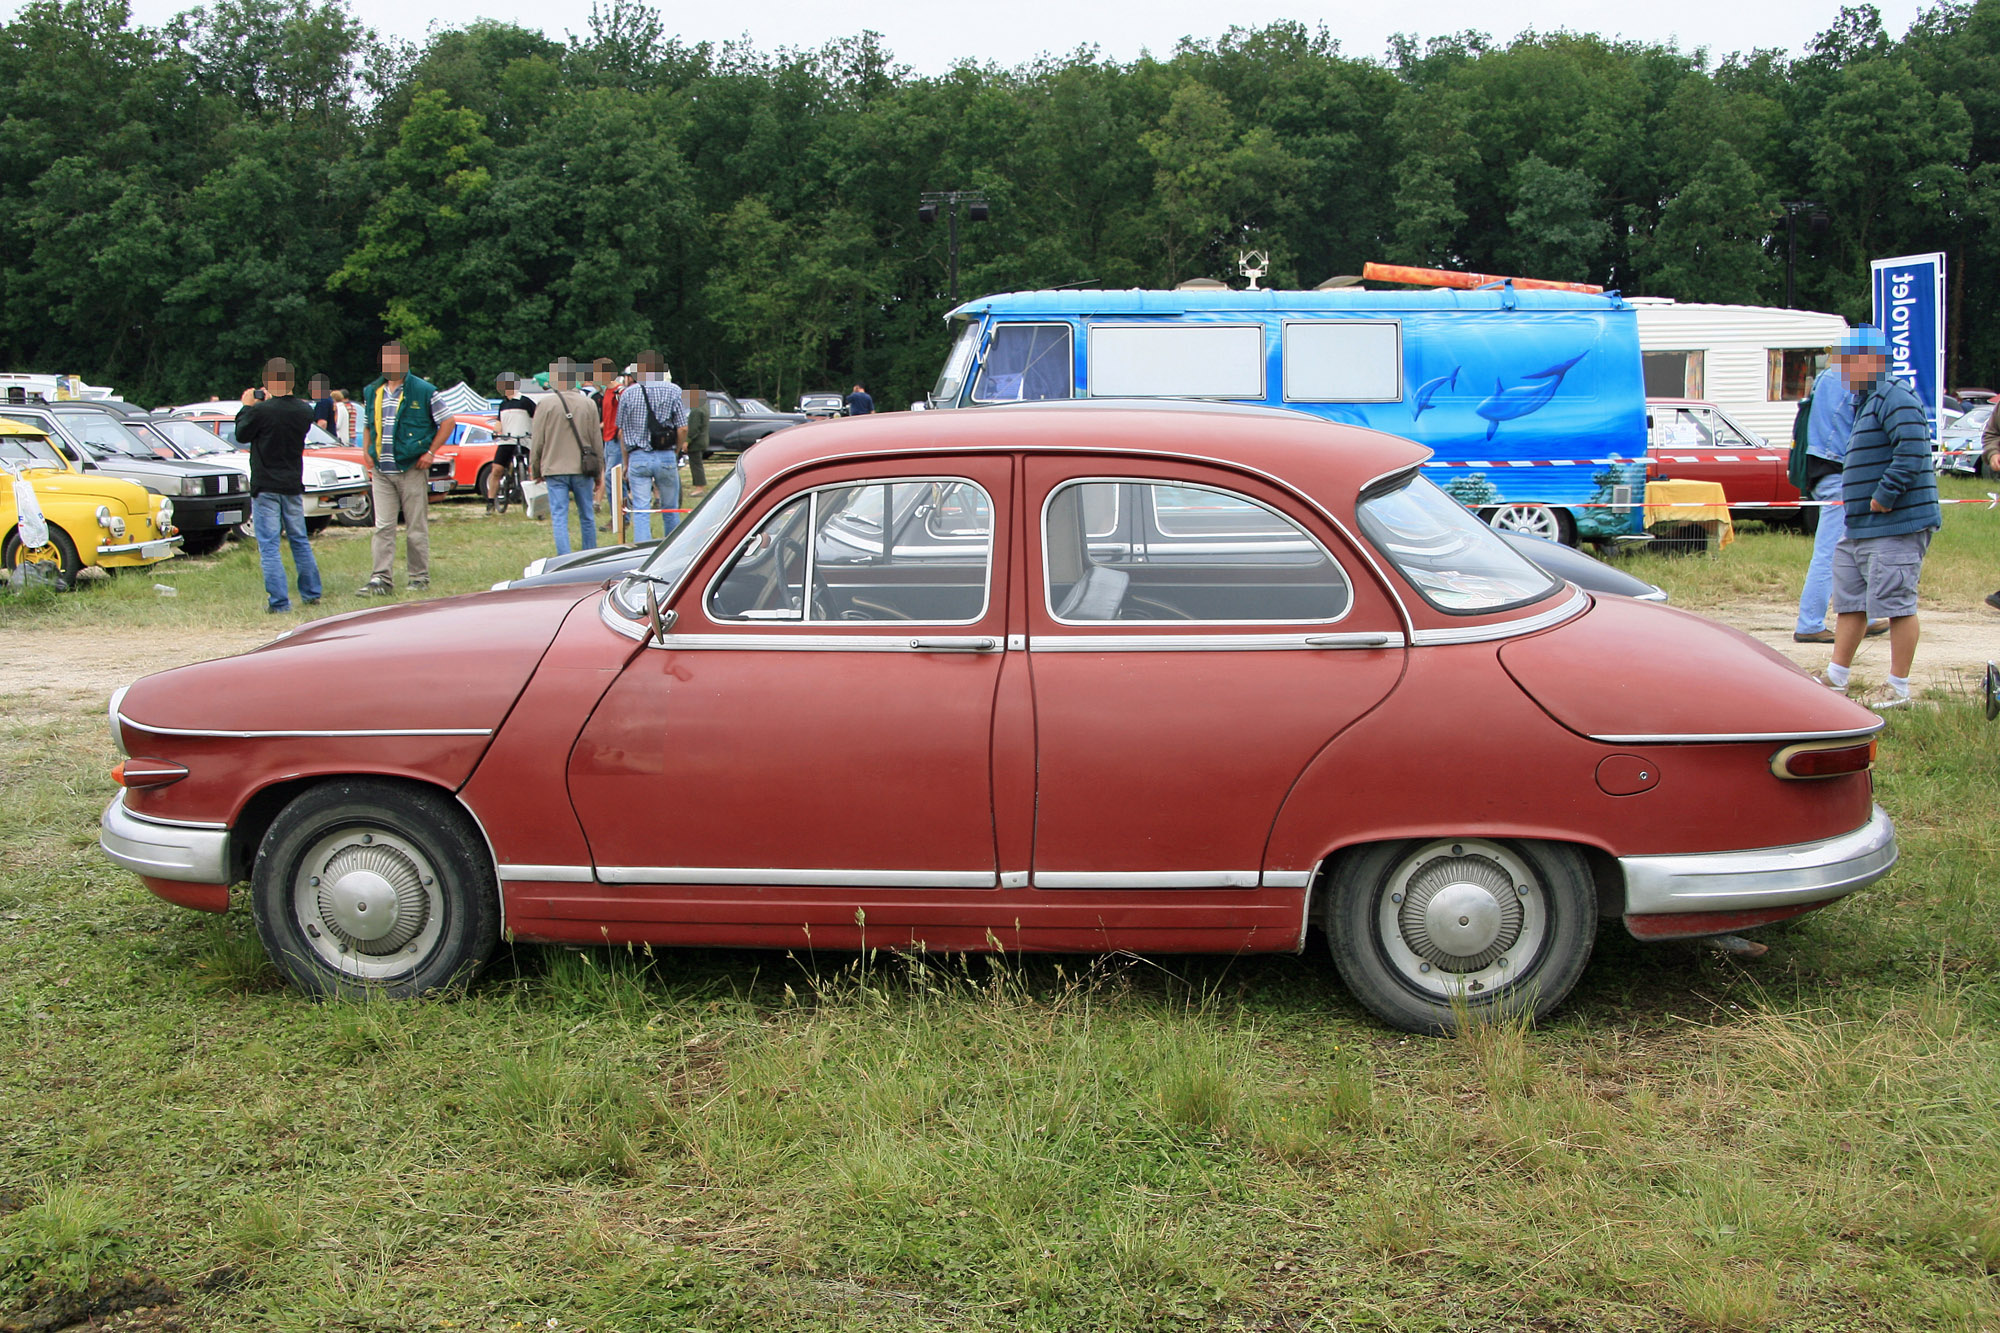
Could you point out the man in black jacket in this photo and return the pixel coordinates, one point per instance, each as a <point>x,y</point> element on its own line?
<point>274,430</point>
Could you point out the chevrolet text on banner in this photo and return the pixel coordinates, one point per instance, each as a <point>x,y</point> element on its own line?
<point>1909,309</point>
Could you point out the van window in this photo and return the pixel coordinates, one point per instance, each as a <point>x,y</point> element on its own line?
<point>1792,371</point>
<point>1025,363</point>
<point>1344,361</point>
<point>1176,361</point>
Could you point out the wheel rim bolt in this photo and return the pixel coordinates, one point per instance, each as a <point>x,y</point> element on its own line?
<point>314,881</point>
<point>1395,897</point>
<point>367,838</point>
<point>1423,967</point>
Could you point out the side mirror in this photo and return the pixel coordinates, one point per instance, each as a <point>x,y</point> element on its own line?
<point>660,621</point>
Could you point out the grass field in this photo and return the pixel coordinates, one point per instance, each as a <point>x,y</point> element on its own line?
<point>622,1141</point>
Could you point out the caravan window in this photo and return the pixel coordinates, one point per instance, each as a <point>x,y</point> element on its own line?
<point>1344,361</point>
<point>1025,363</point>
<point>1793,370</point>
<point>1673,374</point>
<point>1176,360</point>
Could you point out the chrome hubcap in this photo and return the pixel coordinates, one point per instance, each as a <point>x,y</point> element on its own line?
<point>1534,520</point>
<point>367,901</point>
<point>1462,916</point>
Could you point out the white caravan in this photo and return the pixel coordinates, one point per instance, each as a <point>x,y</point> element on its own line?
<point>1755,362</point>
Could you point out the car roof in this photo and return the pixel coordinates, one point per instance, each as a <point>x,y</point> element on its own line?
<point>1331,460</point>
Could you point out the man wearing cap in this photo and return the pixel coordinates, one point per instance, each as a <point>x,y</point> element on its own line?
<point>1889,489</point>
<point>1829,421</point>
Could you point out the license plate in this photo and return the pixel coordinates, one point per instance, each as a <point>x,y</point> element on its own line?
<point>440,487</point>
<point>156,550</point>
<point>230,516</point>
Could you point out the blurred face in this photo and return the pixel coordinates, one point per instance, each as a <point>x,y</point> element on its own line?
<point>395,361</point>
<point>1858,370</point>
<point>276,386</point>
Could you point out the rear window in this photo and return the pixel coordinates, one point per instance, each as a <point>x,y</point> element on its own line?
<point>1455,561</point>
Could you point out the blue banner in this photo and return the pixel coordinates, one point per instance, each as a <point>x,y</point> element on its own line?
<point>1909,309</point>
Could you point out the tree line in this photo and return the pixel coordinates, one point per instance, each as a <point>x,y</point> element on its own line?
<point>264,177</point>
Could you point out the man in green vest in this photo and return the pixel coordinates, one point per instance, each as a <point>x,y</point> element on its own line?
<point>402,425</point>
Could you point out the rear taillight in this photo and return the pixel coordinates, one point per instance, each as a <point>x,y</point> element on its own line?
<point>147,773</point>
<point>1823,759</point>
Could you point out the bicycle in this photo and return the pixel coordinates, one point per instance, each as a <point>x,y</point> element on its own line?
<point>510,490</point>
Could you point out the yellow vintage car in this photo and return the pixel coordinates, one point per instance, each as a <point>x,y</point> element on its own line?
<point>93,519</point>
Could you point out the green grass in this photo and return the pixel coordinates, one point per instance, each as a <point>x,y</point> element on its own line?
<point>1768,563</point>
<point>624,1140</point>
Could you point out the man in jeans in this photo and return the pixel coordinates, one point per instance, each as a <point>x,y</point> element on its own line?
<point>652,425</point>
<point>402,425</point>
<point>1829,421</point>
<point>274,431</point>
<point>562,451</point>
<point>1889,486</point>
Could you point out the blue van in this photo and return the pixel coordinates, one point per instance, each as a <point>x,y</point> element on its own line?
<point>1532,401</point>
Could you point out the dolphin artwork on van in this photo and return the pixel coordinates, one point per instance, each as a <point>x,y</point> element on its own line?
<point>1430,390</point>
<point>1523,399</point>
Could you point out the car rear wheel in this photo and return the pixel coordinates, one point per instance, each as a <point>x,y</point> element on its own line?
<point>315,526</point>
<point>57,562</point>
<point>370,887</point>
<point>356,511</point>
<point>1535,520</point>
<point>1430,934</point>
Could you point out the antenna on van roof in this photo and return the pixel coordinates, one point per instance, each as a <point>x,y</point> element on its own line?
<point>1078,285</point>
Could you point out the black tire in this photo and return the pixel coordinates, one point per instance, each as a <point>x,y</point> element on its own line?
<point>315,526</point>
<point>404,851</point>
<point>479,482</point>
<point>205,543</point>
<point>1809,520</point>
<point>1530,908</point>
<point>359,513</point>
<point>66,560</point>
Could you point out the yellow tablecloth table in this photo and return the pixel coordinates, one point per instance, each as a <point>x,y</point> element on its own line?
<point>1697,502</point>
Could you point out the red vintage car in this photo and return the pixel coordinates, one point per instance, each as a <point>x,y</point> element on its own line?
<point>1049,677</point>
<point>1696,441</point>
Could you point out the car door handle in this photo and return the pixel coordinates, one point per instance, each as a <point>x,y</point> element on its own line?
<point>956,645</point>
<point>1352,640</point>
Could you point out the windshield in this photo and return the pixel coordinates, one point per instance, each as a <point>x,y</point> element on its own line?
<point>952,378</point>
<point>191,439</point>
<point>104,435</point>
<point>28,449</point>
<point>1458,563</point>
<point>671,558</point>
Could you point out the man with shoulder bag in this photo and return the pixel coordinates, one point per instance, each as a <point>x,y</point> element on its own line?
<point>652,425</point>
<point>566,451</point>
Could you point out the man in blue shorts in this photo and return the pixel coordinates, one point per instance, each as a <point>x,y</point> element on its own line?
<point>1889,490</point>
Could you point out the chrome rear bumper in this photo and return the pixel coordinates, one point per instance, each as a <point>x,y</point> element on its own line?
<point>163,851</point>
<point>1800,875</point>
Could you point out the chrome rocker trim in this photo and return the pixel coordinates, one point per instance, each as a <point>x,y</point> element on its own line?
<point>1804,873</point>
<point>163,851</point>
<point>318,735</point>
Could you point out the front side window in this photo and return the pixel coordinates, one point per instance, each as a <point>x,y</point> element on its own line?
<point>956,363</point>
<point>1210,556</point>
<point>1026,363</point>
<point>669,561</point>
<point>28,449</point>
<point>897,550</point>
<point>1456,562</point>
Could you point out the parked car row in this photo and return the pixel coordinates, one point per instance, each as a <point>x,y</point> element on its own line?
<point>94,519</point>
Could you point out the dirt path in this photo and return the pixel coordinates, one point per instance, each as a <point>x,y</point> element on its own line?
<point>1954,650</point>
<point>66,672</point>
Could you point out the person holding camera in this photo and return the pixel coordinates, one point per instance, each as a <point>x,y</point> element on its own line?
<point>652,425</point>
<point>402,425</point>
<point>272,426</point>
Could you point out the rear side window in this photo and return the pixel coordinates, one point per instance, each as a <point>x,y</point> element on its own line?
<point>1185,555</point>
<point>1457,562</point>
<point>1344,361</point>
<point>1026,363</point>
<point>1177,360</point>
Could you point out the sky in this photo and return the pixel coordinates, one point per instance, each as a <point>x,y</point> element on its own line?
<point>930,36</point>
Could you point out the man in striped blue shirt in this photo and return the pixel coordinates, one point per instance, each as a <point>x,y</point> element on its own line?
<point>1889,490</point>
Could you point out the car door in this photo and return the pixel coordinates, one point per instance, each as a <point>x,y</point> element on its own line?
<point>821,711</point>
<point>1196,639</point>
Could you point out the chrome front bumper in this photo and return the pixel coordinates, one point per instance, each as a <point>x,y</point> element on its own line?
<point>1795,876</point>
<point>163,851</point>
<point>157,548</point>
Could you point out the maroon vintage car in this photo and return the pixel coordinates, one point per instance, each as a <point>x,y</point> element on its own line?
<point>1051,677</point>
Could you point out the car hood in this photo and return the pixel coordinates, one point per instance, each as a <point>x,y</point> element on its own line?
<point>1627,671</point>
<point>90,488</point>
<point>457,663</point>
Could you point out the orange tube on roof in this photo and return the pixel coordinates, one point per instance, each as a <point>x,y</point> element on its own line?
<point>1439,277</point>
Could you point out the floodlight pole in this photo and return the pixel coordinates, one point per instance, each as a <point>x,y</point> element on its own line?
<point>927,206</point>
<point>1816,216</point>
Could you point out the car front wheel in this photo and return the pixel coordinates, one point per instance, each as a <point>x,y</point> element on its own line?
<point>370,887</point>
<point>1431,934</point>
<point>1534,520</point>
